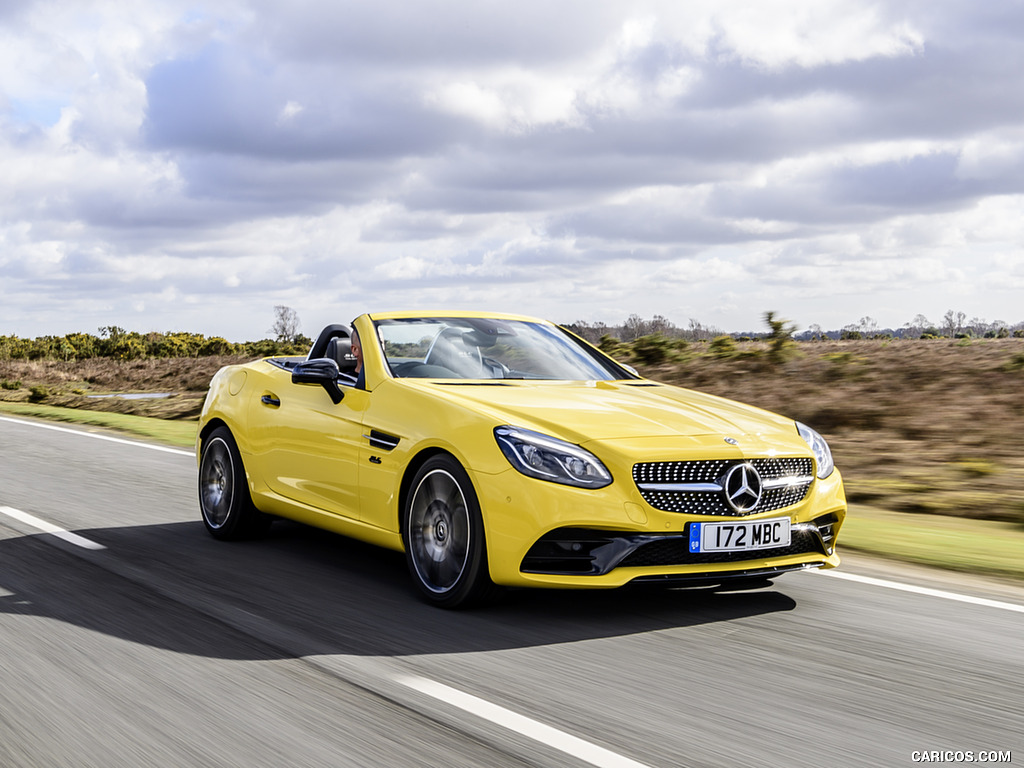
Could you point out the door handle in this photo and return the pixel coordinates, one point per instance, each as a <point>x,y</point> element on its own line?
<point>270,400</point>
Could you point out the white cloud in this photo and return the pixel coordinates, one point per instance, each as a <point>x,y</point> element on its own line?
<point>288,112</point>
<point>991,157</point>
<point>580,159</point>
<point>777,33</point>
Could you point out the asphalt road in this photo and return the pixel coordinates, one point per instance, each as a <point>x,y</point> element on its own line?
<point>167,648</point>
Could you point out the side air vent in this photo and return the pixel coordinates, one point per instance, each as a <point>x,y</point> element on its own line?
<point>382,440</point>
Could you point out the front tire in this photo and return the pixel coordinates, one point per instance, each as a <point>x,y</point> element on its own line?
<point>443,533</point>
<point>224,500</point>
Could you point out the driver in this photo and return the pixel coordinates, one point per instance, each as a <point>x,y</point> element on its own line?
<point>357,352</point>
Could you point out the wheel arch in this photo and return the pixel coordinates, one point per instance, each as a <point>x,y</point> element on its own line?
<point>208,428</point>
<point>211,425</point>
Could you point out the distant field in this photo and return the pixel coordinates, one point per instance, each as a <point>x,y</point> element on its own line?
<point>918,428</point>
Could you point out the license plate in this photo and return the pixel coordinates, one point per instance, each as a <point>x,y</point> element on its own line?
<point>739,536</point>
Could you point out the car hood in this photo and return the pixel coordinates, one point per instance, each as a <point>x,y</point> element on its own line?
<point>584,411</point>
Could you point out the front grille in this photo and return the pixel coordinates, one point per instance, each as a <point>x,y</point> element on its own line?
<point>711,499</point>
<point>675,551</point>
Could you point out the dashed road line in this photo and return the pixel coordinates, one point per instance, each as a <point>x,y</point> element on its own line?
<point>525,726</point>
<point>135,443</point>
<point>46,527</point>
<point>940,593</point>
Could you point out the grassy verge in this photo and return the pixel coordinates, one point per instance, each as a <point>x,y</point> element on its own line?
<point>954,543</point>
<point>177,433</point>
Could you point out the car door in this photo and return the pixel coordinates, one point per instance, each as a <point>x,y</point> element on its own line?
<point>308,446</point>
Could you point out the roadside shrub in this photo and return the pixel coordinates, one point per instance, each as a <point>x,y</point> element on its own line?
<point>782,346</point>
<point>612,347</point>
<point>128,347</point>
<point>5,384</point>
<point>656,348</point>
<point>38,394</point>
<point>1015,363</point>
<point>177,344</point>
<point>264,348</point>
<point>82,345</point>
<point>843,365</point>
<point>723,347</point>
<point>215,345</point>
<point>977,467</point>
<point>44,347</point>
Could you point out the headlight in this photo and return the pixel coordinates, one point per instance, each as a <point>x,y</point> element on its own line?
<point>820,449</point>
<point>548,458</point>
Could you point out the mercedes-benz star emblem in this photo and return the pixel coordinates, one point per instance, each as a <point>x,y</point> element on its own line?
<point>743,488</point>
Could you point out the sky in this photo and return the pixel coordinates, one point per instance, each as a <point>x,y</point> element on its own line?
<point>188,166</point>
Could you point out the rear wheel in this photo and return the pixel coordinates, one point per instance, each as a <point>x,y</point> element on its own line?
<point>444,539</point>
<point>224,500</point>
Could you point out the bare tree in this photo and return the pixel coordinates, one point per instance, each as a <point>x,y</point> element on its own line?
<point>700,331</point>
<point>661,324</point>
<point>917,326</point>
<point>851,331</point>
<point>286,324</point>
<point>953,322</point>
<point>634,327</point>
<point>868,326</point>
<point>592,332</point>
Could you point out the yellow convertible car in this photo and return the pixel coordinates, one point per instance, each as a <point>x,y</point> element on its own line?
<point>503,450</point>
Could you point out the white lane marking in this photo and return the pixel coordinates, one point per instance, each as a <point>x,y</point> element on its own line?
<point>524,726</point>
<point>925,591</point>
<point>42,525</point>
<point>135,443</point>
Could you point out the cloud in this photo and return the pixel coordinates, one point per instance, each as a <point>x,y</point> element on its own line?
<point>713,159</point>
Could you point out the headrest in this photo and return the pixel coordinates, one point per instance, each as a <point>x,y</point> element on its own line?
<point>339,349</point>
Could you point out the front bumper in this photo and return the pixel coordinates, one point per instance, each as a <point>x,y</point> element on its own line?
<point>543,534</point>
<point>591,552</point>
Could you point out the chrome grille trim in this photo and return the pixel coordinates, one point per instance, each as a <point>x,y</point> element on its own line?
<point>787,482</point>
<point>696,487</point>
<point>681,487</point>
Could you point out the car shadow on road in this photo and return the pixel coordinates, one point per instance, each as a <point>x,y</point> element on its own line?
<point>303,591</point>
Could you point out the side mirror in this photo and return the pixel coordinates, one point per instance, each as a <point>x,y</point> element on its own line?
<point>322,371</point>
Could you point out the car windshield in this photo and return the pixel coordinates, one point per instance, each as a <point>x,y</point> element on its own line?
<point>485,348</point>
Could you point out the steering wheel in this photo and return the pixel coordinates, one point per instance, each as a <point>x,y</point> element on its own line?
<point>496,367</point>
<point>446,338</point>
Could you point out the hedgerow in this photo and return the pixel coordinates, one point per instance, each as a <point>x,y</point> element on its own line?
<point>117,343</point>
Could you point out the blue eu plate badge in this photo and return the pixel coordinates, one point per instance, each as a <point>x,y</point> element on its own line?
<point>695,537</point>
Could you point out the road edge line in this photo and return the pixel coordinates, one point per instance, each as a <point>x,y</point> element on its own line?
<point>927,591</point>
<point>136,443</point>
